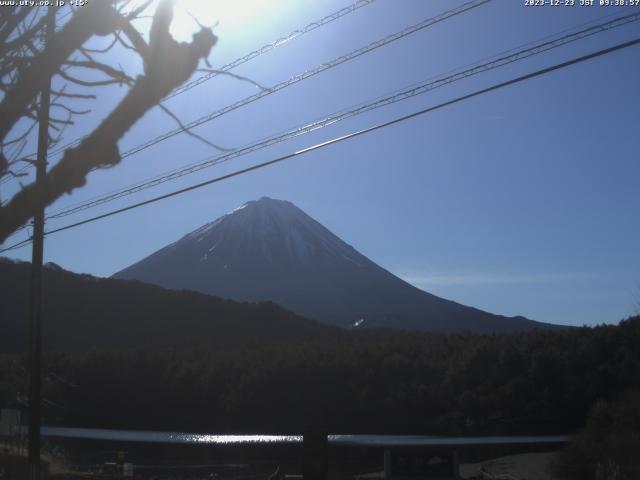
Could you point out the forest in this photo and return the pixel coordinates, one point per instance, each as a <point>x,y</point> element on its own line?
<point>376,381</point>
<point>83,312</point>
<point>127,355</point>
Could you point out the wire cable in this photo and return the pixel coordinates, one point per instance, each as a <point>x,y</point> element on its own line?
<point>355,134</point>
<point>300,77</point>
<point>271,46</point>
<point>309,73</point>
<point>235,63</point>
<point>400,95</point>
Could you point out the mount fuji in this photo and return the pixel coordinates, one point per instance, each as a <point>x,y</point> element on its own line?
<point>271,250</point>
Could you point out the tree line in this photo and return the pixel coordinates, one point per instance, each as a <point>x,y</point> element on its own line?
<point>381,381</point>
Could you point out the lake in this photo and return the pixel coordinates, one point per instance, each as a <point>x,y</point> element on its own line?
<point>363,440</point>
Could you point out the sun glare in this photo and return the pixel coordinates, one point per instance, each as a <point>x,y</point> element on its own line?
<point>225,13</point>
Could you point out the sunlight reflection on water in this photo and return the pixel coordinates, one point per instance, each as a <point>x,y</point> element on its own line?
<point>165,437</point>
<point>233,439</point>
<point>203,438</point>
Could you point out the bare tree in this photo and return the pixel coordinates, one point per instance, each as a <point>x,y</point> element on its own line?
<point>26,63</point>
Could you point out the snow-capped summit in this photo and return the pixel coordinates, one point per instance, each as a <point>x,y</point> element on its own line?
<point>269,249</point>
<point>273,232</point>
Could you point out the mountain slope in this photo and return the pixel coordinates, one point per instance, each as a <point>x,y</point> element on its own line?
<point>271,250</point>
<point>81,312</point>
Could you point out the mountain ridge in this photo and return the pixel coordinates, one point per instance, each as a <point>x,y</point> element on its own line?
<point>82,312</point>
<point>271,250</point>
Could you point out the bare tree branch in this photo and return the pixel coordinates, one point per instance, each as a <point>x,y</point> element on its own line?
<point>134,14</point>
<point>16,18</point>
<point>100,50</point>
<point>17,174</point>
<point>99,149</point>
<point>236,76</point>
<point>114,73</point>
<point>89,83</point>
<point>82,96</point>
<point>139,44</point>
<point>70,110</point>
<point>122,42</point>
<point>186,130</point>
<point>97,18</point>
<point>25,37</point>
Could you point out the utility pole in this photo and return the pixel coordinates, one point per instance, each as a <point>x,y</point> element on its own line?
<point>35,343</point>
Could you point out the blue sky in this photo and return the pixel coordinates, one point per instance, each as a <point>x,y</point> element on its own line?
<point>520,202</point>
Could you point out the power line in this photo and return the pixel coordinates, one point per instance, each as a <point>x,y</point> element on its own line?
<point>17,245</point>
<point>303,76</point>
<point>358,133</point>
<point>231,65</point>
<point>270,46</point>
<point>310,73</point>
<point>250,56</point>
<point>307,74</point>
<point>409,92</point>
